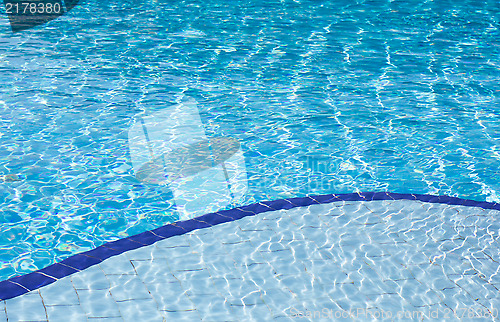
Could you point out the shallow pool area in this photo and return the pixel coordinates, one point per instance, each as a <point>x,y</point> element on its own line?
<point>368,256</point>
<point>123,117</point>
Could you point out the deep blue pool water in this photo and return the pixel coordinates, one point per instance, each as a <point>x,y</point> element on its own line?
<point>323,96</point>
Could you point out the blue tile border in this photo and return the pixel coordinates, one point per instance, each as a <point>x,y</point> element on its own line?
<point>19,285</point>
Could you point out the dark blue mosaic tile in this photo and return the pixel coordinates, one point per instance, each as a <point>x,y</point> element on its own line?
<point>467,203</point>
<point>192,224</point>
<point>256,208</point>
<point>146,238</point>
<point>390,197</point>
<point>33,281</point>
<point>426,198</point>
<point>302,202</point>
<point>470,203</point>
<point>351,197</point>
<point>487,205</point>
<point>381,196</point>
<point>434,199</point>
<point>402,196</point>
<point>9,290</point>
<point>169,231</point>
<point>215,219</point>
<point>447,199</point>
<point>362,196</point>
<point>236,213</point>
<point>102,252</point>
<point>81,261</point>
<point>325,198</point>
<point>312,200</point>
<point>268,204</point>
<point>58,271</point>
<point>123,245</point>
<point>281,204</point>
<point>456,201</point>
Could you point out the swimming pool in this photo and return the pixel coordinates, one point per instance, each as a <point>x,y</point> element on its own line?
<point>322,97</point>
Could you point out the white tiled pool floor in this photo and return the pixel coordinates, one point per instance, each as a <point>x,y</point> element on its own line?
<point>399,257</point>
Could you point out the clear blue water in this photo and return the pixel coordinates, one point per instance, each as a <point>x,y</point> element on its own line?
<point>324,97</point>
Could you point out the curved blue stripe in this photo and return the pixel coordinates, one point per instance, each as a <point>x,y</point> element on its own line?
<point>19,285</point>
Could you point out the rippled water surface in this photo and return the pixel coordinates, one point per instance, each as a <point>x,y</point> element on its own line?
<point>324,97</point>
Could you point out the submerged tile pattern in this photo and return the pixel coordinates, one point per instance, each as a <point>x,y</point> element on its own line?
<point>390,255</point>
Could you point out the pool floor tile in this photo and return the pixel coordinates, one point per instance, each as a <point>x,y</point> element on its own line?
<point>143,253</point>
<point>340,260</point>
<point>60,292</point>
<point>258,311</point>
<point>180,303</point>
<point>277,297</point>
<point>119,265</point>
<point>187,316</point>
<point>26,308</point>
<point>98,303</point>
<point>247,298</point>
<point>66,313</point>
<point>140,310</point>
<point>92,278</point>
<point>3,313</point>
<point>128,287</point>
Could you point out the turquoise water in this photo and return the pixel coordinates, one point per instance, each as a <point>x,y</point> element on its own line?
<point>324,97</point>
